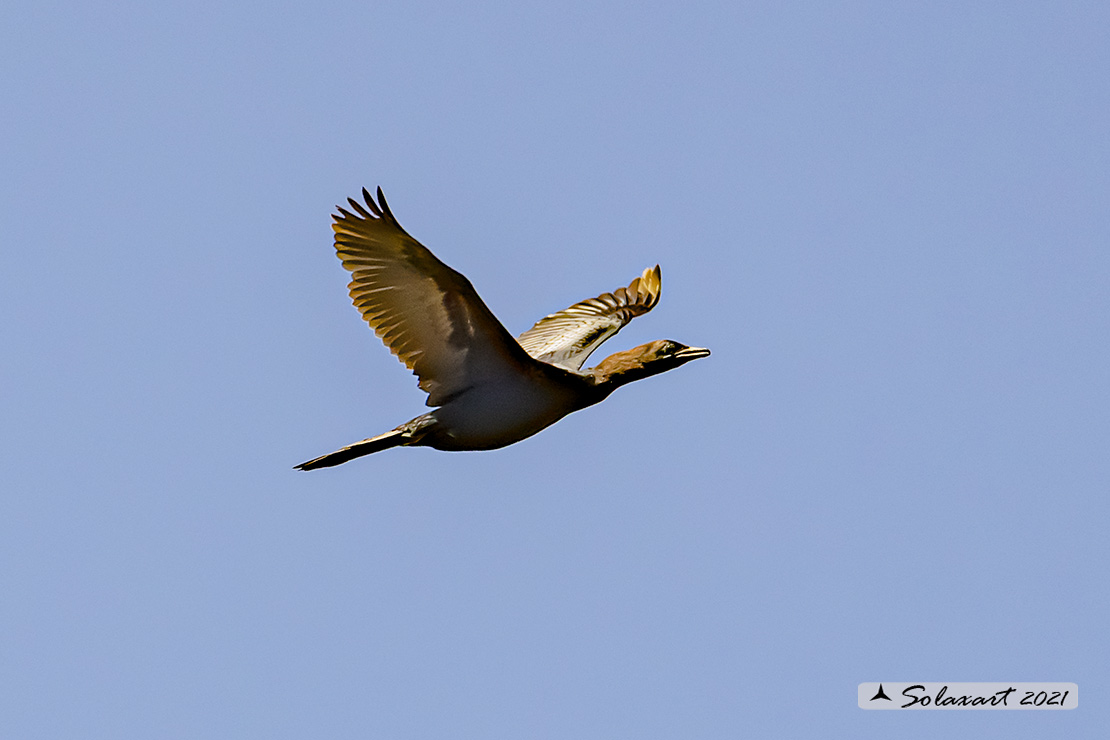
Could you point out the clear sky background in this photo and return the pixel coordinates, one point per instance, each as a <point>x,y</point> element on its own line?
<point>889,221</point>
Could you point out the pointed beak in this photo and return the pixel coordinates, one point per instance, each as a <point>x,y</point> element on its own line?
<point>692,353</point>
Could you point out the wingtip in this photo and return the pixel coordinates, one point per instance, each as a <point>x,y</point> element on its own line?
<point>359,208</point>
<point>384,205</point>
<point>368,212</point>
<point>650,284</point>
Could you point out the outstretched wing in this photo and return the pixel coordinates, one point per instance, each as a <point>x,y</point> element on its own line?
<point>426,313</point>
<point>568,337</point>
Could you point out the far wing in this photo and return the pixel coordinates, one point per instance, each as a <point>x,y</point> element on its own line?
<point>568,337</point>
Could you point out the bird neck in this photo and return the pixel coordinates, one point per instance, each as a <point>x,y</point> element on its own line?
<point>620,369</point>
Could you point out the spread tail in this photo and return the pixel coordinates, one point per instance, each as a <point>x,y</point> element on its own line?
<point>358,449</point>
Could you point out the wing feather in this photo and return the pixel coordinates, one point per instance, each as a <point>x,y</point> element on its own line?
<point>568,337</point>
<point>427,314</point>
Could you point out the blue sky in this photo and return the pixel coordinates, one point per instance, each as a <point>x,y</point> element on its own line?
<point>888,221</point>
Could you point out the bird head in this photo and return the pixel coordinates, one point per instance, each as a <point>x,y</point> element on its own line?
<point>644,361</point>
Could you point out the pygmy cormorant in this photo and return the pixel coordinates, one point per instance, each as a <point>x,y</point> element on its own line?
<point>490,390</point>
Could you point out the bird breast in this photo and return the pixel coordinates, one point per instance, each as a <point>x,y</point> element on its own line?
<point>493,415</point>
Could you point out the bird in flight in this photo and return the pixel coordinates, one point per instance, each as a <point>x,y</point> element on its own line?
<point>488,389</point>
